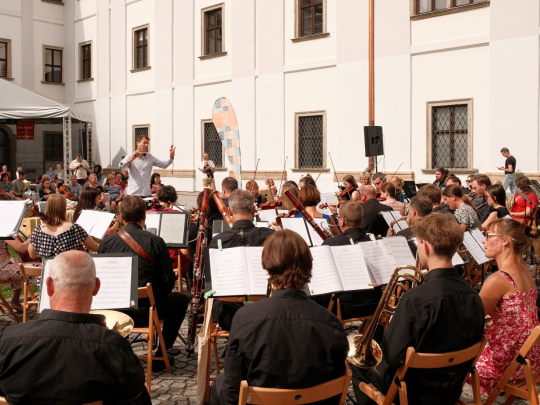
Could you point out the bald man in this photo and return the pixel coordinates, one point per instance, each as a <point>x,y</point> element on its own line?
<point>373,222</point>
<point>69,345</point>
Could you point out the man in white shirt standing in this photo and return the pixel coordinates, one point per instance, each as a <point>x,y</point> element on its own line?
<point>79,167</point>
<point>208,167</point>
<point>139,165</point>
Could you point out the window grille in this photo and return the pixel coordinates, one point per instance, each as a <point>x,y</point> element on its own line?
<point>212,144</point>
<point>310,141</point>
<point>138,131</point>
<point>311,17</point>
<point>450,132</point>
<point>3,59</point>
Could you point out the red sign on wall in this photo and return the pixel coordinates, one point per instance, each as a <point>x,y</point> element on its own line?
<point>25,130</point>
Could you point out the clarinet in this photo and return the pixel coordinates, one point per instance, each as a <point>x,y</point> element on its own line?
<point>221,206</point>
<point>323,233</point>
<point>198,275</point>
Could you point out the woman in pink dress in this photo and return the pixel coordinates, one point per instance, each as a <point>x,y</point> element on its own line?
<point>388,192</point>
<point>509,298</point>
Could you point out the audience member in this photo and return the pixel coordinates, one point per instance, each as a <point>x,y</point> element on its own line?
<point>75,187</point>
<point>59,172</point>
<point>19,185</point>
<point>50,172</point>
<point>5,185</point>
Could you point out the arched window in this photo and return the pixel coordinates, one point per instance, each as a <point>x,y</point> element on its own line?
<point>4,149</point>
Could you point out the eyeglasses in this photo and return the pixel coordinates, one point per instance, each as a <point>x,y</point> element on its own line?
<point>468,181</point>
<point>489,235</point>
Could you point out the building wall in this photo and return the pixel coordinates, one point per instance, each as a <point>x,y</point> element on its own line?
<point>487,53</point>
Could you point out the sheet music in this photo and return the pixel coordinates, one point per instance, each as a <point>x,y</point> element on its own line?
<point>115,276</point>
<point>400,250</point>
<point>11,215</point>
<point>297,225</point>
<point>380,263</point>
<point>258,276</point>
<point>457,260</point>
<point>324,275</point>
<point>152,220</point>
<point>88,219</point>
<point>476,250</point>
<point>262,224</point>
<point>267,215</point>
<point>352,267</point>
<point>317,240</point>
<point>391,216</point>
<point>103,223</point>
<point>478,236</point>
<point>229,271</point>
<point>173,228</point>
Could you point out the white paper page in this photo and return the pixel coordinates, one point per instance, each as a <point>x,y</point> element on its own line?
<point>327,198</point>
<point>379,261</point>
<point>324,275</point>
<point>457,260</point>
<point>280,211</point>
<point>88,219</point>
<point>297,225</point>
<point>229,272</point>
<point>391,216</point>
<point>11,213</point>
<point>478,236</point>
<point>115,276</point>
<point>267,215</point>
<point>352,267</point>
<point>173,228</point>
<point>101,226</point>
<point>258,276</point>
<point>401,252</point>
<point>262,224</point>
<point>474,248</point>
<point>317,240</point>
<point>152,220</point>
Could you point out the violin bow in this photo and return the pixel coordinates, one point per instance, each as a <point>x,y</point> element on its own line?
<point>385,176</point>
<point>255,174</point>
<point>319,175</point>
<point>283,174</point>
<point>334,169</point>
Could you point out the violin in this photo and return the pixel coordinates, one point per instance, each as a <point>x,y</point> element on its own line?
<point>289,214</point>
<point>154,204</point>
<point>270,205</point>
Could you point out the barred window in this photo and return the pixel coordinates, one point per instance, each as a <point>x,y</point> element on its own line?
<point>311,17</point>
<point>212,144</point>
<point>450,136</point>
<point>310,138</point>
<point>139,130</point>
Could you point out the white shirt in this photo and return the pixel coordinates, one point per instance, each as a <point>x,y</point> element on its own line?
<point>140,173</point>
<point>80,172</point>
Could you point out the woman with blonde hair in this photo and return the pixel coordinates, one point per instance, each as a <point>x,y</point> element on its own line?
<point>398,185</point>
<point>286,204</point>
<point>365,179</point>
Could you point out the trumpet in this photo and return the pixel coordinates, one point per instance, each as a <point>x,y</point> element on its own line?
<point>364,351</point>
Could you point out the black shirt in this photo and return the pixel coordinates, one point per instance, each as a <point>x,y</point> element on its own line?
<point>482,206</point>
<point>285,341</point>
<point>67,358</point>
<point>260,199</point>
<point>373,221</point>
<point>160,276</point>
<point>510,160</point>
<point>242,233</point>
<point>501,211</point>
<point>356,234</point>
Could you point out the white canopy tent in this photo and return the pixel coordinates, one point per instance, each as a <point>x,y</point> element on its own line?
<point>18,103</point>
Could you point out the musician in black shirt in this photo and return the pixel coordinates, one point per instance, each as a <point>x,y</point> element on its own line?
<point>228,185</point>
<point>480,183</point>
<point>509,170</point>
<point>443,314</point>
<point>418,209</point>
<point>253,186</point>
<point>434,193</point>
<point>242,233</point>
<point>373,221</point>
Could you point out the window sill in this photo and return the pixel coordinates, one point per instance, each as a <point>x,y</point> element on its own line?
<point>454,171</point>
<point>90,79</point>
<point>53,2</point>
<point>54,83</point>
<point>310,169</point>
<point>310,37</point>
<point>221,169</point>
<point>447,11</point>
<point>140,69</point>
<point>7,78</point>
<point>212,56</point>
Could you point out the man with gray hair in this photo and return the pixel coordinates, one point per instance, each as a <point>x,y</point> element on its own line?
<point>67,355</point>
<point>242,233</point>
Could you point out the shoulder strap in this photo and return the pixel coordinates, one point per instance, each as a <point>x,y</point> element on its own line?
<point>132,243</point>
<point>509,278</point>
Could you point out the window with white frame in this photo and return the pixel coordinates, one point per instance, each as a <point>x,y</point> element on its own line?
<point>212,144</point>
<point>310,140</point>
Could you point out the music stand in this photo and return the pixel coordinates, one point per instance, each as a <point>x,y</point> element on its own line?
<point>409,188</point>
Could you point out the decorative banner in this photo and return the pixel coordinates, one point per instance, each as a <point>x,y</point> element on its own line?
<point>25,130</point>
<point>224,120</point>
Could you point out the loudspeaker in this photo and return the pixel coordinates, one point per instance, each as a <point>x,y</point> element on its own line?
<point>373,139</point>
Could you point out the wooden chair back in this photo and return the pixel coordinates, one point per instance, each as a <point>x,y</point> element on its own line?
<point>428,361</point>
<point>524,388</point>
<point>256,395</point>
<point>27,289</point>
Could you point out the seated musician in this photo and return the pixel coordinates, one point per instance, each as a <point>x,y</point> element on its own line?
<point>419,207</point>
<point>434,193</point>
<point>365,179</point>
<point>452,179</point>
<point>350,189</point>
<point>373,222</point>
<point>388,193</point>
<point>155,267</point>
<point>479,185</point>
<point>67,356</point>
<point>228,185</point>
<point>378,180</point>
<point>441,315</point>
<point>310,197</point>
<point>358,303</point>
<point>286,203</point>
<point>253,186</point>
<point>242,233</point>
<point>305,181</point>
<point>285,341</point>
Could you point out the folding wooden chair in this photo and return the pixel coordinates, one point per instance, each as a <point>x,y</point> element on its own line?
<point>6,306</point>
<point>344,322</point>
<point>27,289</point>
<point>525,389</point>
<point>154,326</point>
<point>256,395</point>
<point>178,273</point>
<point>427,361</point>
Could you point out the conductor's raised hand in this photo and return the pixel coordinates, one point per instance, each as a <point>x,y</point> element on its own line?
<point>172,151</point>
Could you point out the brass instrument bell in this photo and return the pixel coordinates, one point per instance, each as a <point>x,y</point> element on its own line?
<point>116,320</point>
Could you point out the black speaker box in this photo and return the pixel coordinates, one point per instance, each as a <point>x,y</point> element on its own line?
<point>373,139</point>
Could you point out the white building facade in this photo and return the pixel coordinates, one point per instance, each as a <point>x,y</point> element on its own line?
<point>455,80</point>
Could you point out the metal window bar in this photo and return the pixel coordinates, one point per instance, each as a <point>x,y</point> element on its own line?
<point>86,61</point>
<point>310,142</point>
<point>213,29</point>
<point>138,132</point>
<point>450,136</point>
<point>3,59</point>
<point>311,17</point>
<point>212,144</point>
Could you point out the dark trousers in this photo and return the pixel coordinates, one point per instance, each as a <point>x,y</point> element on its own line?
<point>172,308</point>
<point>215,389</point>
<point>223,313</point>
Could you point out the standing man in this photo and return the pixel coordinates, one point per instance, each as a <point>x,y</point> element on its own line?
<point>509,170</point>
<point>208,167</point>
<point>139,166</point>
<point>79,167</point>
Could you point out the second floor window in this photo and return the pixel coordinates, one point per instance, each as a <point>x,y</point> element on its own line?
<point>3,59</point>
<point>213,31</point>
<point>86,61</point>
<point>141,48</point>
<point>311,17</point>
<point>53,65</point>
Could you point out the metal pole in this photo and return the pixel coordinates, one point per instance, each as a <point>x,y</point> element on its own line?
<point>371,160</point>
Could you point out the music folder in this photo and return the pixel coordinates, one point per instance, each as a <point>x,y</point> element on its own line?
<point>305,230</point>
<point>95,223</point>
<point>472,240</point>
<point>12,214</point>
<point>119,280</point>
<point>171,226</point>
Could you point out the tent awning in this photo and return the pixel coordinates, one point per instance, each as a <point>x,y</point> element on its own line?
<point>18,103</point>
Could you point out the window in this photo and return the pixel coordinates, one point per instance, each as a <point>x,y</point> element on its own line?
<point>213,31</point>
<point>310,137</point>
<point>140,130</point>
<point>212,144</point>
<point>140,48</point>
<point>54,148</point>
<point>4,60</point>
<point>53,65</point>
<point>458,3</point>
<point>450,140</point>
<point>85,58</point>
<point>311,17</point>
<point>429,6</point>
